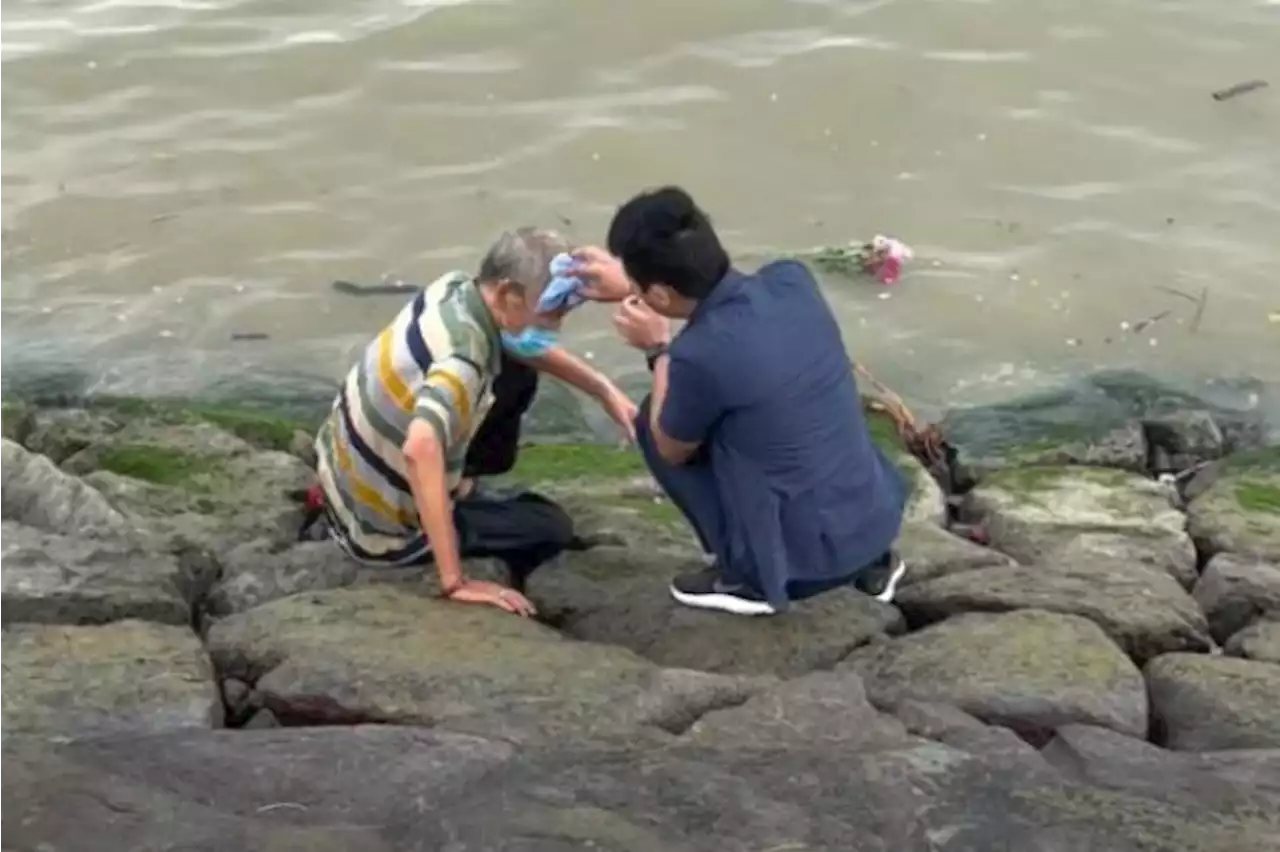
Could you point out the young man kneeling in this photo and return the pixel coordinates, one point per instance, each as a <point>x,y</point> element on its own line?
<point>754,426</point>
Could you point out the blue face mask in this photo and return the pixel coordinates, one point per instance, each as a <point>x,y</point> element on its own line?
<point>531,342</point>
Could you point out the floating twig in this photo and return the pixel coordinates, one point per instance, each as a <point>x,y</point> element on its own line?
<point>353,289</point>
<point>1149,321</point>
<point>1239,89</point>
<point>1195,321</point>
<point>1175,291</point>
<point>250,335</point>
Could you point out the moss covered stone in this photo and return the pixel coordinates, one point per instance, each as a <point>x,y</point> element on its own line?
<point>1240,512</point>
<point>1028,670</point>
<point>1033,513</point>
<point>124,677</point>
<point>1203,703</point>
<point>158,464</point>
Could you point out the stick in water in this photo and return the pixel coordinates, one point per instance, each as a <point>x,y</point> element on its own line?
<point>1239,89</point>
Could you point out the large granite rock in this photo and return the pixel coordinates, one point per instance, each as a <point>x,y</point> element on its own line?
<point>1035,513</point>
<point>38,494</point>
<point>1144,610</point>
<point>260,571</point>
<point>1204,703</point>
<point>1225,783</point>
<point>1174,555</point>
<point>393,789</point>
<point>129,676</point>
<point>1029,670</point>
<point>1258,641</point>
<point>958,729</point>
<point>194,482</point>
<point>931,551</point>
<point>620,597</point>
<point>1240,512</point>
<point>70,579</point>
<point>386,654</point>
<point>1234,592</point>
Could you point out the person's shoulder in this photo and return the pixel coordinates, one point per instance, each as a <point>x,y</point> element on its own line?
<point>787,269</point>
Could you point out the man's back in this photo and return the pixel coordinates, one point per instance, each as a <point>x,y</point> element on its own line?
<point>769,348</point>
<point>435,360</point>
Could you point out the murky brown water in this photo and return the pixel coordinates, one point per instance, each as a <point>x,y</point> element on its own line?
<point>176,171</point>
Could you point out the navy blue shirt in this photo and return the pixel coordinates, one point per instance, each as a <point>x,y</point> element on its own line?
<point>760,376</point>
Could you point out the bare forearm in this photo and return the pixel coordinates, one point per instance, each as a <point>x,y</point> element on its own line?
<point>573,371</point>
<point>427,481</point>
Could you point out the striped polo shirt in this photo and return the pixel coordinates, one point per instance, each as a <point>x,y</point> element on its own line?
<point>436,361</point>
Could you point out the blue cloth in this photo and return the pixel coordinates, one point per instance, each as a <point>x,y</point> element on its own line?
<point>563,290</point>
<point>759,376</point>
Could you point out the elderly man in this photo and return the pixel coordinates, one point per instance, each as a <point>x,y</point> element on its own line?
<point>394,464</point>
<point>754,426</point>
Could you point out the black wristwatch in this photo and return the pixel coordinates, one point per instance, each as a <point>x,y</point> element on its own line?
<point>653,353</point>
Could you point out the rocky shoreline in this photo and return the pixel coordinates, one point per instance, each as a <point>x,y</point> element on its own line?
<point>1101,673</point>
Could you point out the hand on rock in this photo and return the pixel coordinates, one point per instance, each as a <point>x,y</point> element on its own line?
<point>485,592</point>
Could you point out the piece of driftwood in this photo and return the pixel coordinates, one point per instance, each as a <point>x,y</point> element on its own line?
<point>1239,89</point>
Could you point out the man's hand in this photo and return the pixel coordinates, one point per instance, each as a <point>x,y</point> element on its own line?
<point>641,326</point>
<point>485,592</point>
<point>622,411</point>
<point>602,275</point>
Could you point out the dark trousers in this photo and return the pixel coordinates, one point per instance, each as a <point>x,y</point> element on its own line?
<point>692,487</point>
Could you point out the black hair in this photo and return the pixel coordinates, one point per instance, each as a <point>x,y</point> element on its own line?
<point>661,236</point>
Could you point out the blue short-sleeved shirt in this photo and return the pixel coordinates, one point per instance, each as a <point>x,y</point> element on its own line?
<point>760,376</point>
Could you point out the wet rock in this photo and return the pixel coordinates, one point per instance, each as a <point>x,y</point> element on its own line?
<point>931,552</point>
<point>129,676</point>
<point>303,445</point>
<point>1204,703</point>
<point>239,698</point>
<point>620,597</point>
<point>384,654</point>
<point>815,711</point>
<point>15,420</point>
<point>261,720</point>
<point>1034,513</point>
<point>1120,444</point>
<point>927,504</point>
<point>1174,555</point>
<point>1240,512</point>
<point>1030,671</point>
<point>1259,641</point>
<point>38,494</point>
<point>60,433</point>
<point>958,729</point>
<point>218,494</point>
<point>1234,592</point>
<point>1143,610</point>
<point>260,571</point>
<point>1187,436</point>
<point>57,579</point>
<point>1230,783</point>
<point>278,789</point>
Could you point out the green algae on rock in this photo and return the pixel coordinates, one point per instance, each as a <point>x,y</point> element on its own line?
<point>119,678</point>
<point>1144,611</point>
<point>387,654</point>
<point>1034,513</point>
<point>1240,511</point>
<point>618,596</point>
<point>1208,703</point>
<point>1028,670</point>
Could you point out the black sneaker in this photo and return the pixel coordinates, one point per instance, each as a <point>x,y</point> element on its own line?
<point>706,589</point>
<point>880,579</point>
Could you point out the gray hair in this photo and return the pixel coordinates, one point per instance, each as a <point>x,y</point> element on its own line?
<point>524,257</point>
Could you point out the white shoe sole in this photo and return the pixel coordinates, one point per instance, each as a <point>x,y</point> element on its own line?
<point>723,603</point>
<point>891,587</point>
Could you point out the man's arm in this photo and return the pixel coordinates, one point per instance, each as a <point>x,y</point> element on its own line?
<point>682,408</point>
<point>572,370</point>
<point>442,415</point>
